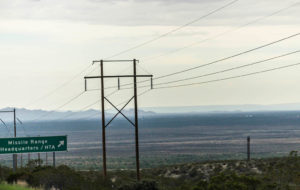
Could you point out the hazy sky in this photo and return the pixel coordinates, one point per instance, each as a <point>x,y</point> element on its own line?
<point>44,43</point>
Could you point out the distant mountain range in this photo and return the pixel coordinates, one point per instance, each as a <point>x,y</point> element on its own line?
<point>225,108</point>
<point>37,115</point>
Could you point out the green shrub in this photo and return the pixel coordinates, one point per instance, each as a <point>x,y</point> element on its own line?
<point>144,185</point>
<point>61,178</point>
<point>4,173</point>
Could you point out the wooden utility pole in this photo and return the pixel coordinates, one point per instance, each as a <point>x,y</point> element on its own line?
<point>54,159</point>
<point>21,160</point>
<point>248,148</point>
<point>46,158</point>
<point>15,157</point>
<point>39,159</point>
<point>103,120</point>
<point>28,159</point>
<point>105,99</point>
<point>137,152</point>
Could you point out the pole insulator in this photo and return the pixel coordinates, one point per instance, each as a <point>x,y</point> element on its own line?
<point>151,82</point>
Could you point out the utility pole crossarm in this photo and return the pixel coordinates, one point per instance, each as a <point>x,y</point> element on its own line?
<point>116,76</point>
<point>103,61</point>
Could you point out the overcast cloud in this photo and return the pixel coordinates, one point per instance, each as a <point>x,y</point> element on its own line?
<point>138,12</point>
<point>45,43</point>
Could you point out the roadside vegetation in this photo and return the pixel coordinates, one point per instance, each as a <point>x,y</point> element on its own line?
<point>14,187</point>
<point>259,174</point>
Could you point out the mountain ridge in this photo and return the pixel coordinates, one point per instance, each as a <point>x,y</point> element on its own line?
<point>39,114</point>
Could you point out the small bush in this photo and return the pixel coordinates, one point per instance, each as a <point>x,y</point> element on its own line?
<point>144,185</point>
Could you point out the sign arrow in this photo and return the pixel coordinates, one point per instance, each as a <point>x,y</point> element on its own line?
<point>61,143</point>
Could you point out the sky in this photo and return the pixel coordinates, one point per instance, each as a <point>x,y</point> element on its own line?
<point>46,45</point>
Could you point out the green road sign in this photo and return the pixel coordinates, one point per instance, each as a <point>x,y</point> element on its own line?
<point>33,144</point>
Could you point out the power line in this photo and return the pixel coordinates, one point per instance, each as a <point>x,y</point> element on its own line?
<point>142,68</point>
<point>68,102</point>
<point>222,33</point>
<point>186,69</point>
<point>61,106</point>
<point>140,94</point>
<point>229,57</point>
<point>209,81</point>
<point>137,46</point>
<point>205,82</point>
<point>67,82</point>
<point>25,133</point>
<point>228,78</point>
<point>219,72</point>
<point>173,30</point>
<point>165,34</point>
<point>8,130</point>
<point>62,85</point>
<point>59,87</point>
<point>71,100</point>
<point>217,61</point>
<point>230,69</point>
<point>74,113</point>
<point>85,107</point>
